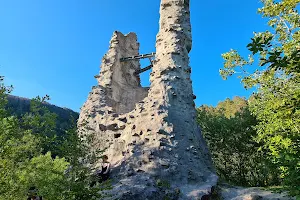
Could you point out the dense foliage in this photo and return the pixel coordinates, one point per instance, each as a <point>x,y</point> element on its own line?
<point>19,106</point>
<point>27,145</point>
<point>276,103</point>
<point>228,130</point>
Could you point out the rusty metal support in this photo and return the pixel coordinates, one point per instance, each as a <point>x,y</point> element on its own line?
<point>142,70</point>
<point>138,57</point>
<point>142,56</point>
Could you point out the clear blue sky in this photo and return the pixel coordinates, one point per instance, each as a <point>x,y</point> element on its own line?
<point>55,47</point>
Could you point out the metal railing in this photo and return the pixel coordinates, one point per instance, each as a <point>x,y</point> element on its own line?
<point>138,57</point>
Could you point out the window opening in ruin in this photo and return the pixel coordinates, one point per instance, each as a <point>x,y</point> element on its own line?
<point>144,72</point>
<point>145,76</point>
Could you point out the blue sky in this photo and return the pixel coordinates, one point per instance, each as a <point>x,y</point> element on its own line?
<point>55,47</point>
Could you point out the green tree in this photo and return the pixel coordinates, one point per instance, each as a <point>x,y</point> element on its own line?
<point>26,160</point>
<point>276,102</point>
<point>228,130</point>
<point>42,123</point>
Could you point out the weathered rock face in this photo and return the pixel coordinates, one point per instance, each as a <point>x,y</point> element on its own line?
<point>123,89</point>
<point>150,137</point>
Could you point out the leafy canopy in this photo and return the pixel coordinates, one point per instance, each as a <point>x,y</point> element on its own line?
<point>228,131</point>
<point>26,159</point>
<point>276,103</point>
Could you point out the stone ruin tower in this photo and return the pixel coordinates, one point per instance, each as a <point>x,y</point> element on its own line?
<point>150,135</point>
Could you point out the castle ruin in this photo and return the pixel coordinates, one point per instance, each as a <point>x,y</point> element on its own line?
<point>150,135</point>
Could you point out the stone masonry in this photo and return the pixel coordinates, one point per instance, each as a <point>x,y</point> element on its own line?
<point>150,135</point>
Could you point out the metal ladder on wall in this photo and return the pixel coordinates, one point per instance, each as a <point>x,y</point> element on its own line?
<point>138,57</point>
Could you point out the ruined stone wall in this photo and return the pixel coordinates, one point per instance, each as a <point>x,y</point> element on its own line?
<point>118,89</point>
<point>151,137</point>
<point>123,88</point>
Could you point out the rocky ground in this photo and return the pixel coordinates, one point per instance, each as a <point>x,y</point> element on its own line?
<point>228,192</point>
